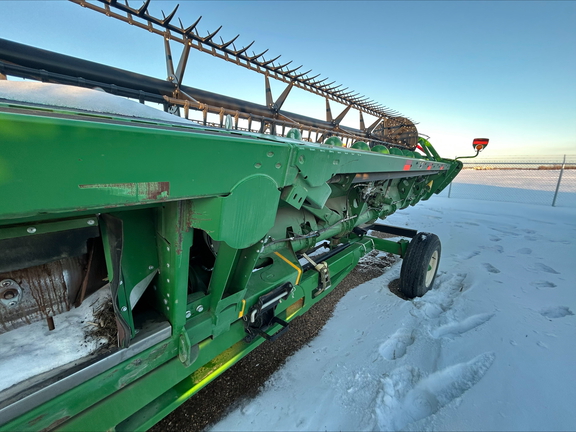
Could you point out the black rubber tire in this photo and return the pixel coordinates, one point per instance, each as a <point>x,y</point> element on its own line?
<point>420,265</point>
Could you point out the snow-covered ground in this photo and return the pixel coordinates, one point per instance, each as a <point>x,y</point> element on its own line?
<point>516,185</point>
<point>491,347</point>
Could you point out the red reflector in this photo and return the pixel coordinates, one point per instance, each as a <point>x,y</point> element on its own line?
<point>429,167</point>
<point>407,167</point>
<point>441,168</point>
<point>480,141</point>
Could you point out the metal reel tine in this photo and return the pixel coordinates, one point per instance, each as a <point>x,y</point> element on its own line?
<point>254,57</point>
<point>142,11</point>
<point>293,70</point>
<point>129,11</point>
<point>280,67</point>
<point>322,87</point>
<point>167,19</point>
<point>210,36</point>
<point>192,27</point>
<point>266,63</point>
<point>227,44</point>
<point>302,74</point>
<point>310,78</point>
<point>243,50</point>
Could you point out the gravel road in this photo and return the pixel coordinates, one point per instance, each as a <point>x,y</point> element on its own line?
<point>245,379</point>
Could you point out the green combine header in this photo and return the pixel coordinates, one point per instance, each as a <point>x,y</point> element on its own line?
<point>208,237</point>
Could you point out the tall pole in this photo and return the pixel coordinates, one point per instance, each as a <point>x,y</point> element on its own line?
<point>559,180</point>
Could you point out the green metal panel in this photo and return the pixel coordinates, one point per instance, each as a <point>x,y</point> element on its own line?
<point>242,217</point>
<point>256,201</point>
<point>105,165</point>
<point>108,165</point>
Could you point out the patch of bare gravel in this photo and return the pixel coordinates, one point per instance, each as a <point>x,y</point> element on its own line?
<point>245,379</point>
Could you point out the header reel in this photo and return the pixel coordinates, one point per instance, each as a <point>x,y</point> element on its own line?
<point>389,128</point>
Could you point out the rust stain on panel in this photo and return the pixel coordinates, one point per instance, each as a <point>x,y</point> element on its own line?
<point>36,419</point>
<point>156,190</point>
<point>141,191</point>
<point>56,423</point>
<point>137,368</point>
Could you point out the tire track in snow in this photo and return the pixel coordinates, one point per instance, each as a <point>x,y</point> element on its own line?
<point>407,393</point>
<point>407,396</point>
<point>396,345</point>
<point>437,301</point>
<point>458,328</point>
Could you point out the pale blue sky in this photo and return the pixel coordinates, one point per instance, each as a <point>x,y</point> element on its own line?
<point>502,70</point>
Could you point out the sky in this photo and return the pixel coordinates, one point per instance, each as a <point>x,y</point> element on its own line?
<point>501,70</point>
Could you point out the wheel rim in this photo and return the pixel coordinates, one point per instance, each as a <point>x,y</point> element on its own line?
<point>432,265</point>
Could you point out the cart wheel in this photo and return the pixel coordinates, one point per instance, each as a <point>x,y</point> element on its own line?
<point>420,265</point>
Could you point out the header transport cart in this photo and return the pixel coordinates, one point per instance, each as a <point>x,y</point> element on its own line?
<point>205,239</point>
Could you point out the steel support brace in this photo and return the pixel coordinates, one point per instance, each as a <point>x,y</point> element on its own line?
<point>396,248</point>
<point>388,229</point>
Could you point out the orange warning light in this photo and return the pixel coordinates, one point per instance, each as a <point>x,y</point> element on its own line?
<point>480,143</point>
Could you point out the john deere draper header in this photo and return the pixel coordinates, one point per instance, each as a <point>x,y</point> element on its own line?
<point>200,239</point>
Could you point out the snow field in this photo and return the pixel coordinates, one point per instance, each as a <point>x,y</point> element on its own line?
<point>491,347</point>
<point>515,185</point>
